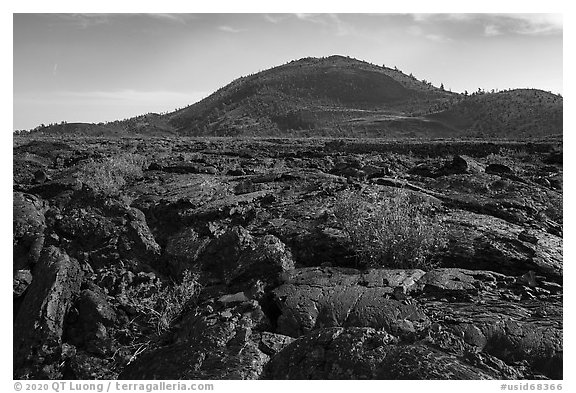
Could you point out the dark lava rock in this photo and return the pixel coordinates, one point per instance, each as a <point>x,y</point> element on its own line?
<point>425,170</point>
<point>236,172</point>
<point>458,284</point>
<point>138,241</point>
<point>353,167</point>
<point>94,315</point>
<point>87,226</point>
<point>40,177</point>
<point>59,186</point>
<point>499,169</point>
<point>512,320</point>
<point>266,262</point>
<point>556,182</point>
<point>331,353</point>
<point>86,366</point>
<point>555,158</point>
<point>183,168</point>
<point>21,280</point>
<point>462,165</point>
<point>375,171</point>
<point>485,242</point>
<point>210,170</point>
<point>38,326</point>
<point>106,232</point>
<point>183,250</point>
<point>272,343</point>
<point>50,149</point>
<point>513,332</point>
<point>94,308</point>
<point>314,299</point>
<point>26,165</point>
<point>29,224</point>
<point>528,236</point>
<point>211,345</point>
<point>421,362</point>
<point>221,255</point>
<point>246,187</point>
<point>546,169</point>
<point>367,353</point>
<point>313,245</point>
<point>186,361</point>
<point>155,166</point>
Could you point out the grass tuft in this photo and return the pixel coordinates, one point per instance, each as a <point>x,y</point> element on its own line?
<point>161,307</point>
<point>108,176</point>
<point>398,231</point>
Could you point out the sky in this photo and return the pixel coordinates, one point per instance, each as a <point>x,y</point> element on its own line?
<point>104,67</point>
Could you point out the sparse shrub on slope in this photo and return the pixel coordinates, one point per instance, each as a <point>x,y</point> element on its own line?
<point>108,176</point>
<point>154,306</point>
<point>160,307</point>
<point>398,231</point>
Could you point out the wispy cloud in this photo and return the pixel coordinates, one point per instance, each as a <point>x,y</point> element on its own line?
<point>437,38</point>
<point>330,21</point>
<point>418,31</point>
<point>84,20</point>
<point>535,24</point>
<point>230,29</point>
<point>316,18</point>
<point>342,28</point>
<point>491,31</point>
<point>178,18</point>
<point>275,18</point>
<point>499,24</point>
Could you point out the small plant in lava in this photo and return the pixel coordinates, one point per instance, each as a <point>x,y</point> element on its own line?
<point>160,307</point>
<point>397,231</point>
<point>109,175</point>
